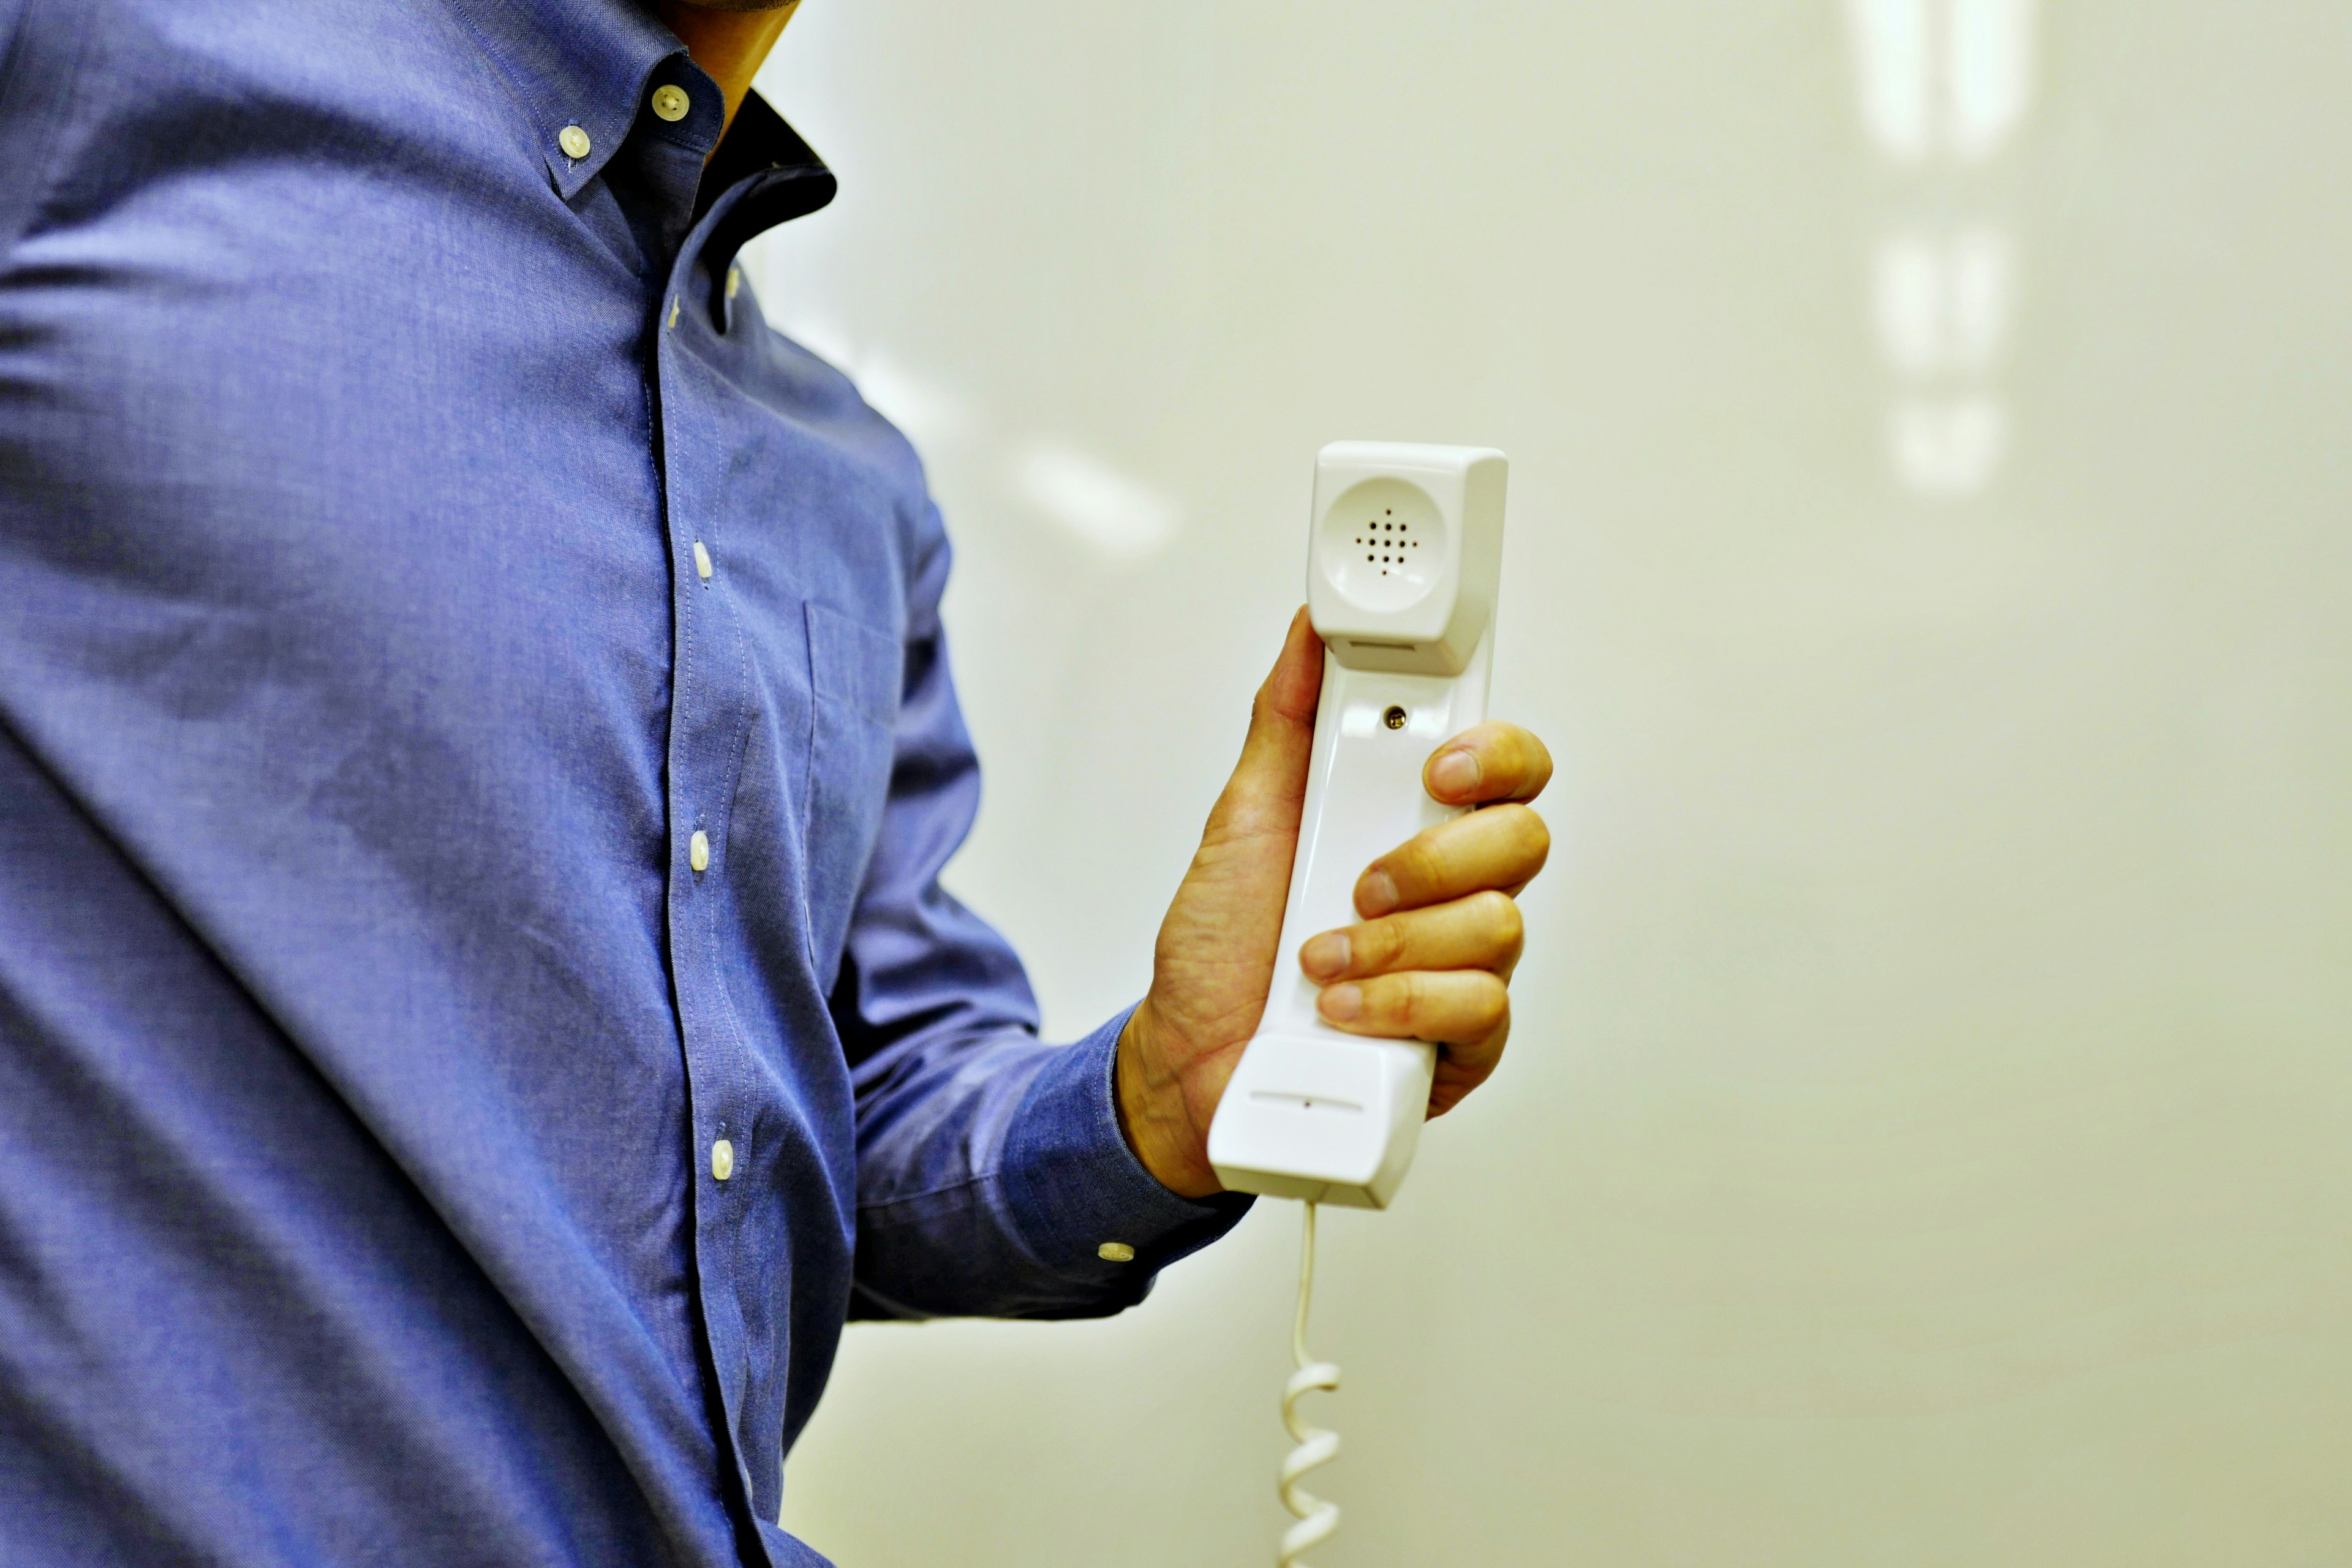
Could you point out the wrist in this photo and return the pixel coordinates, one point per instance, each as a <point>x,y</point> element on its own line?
<point>1153,1115</point>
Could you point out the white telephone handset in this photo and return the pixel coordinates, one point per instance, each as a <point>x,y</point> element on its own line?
<point>1404,560</point>
<point>1404,553</point>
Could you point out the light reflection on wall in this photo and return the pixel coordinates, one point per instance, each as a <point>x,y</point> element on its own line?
<point>1944,86</point>
<point>1121,519</point>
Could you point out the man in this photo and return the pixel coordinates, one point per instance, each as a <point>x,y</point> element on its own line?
<point>477,1008</point>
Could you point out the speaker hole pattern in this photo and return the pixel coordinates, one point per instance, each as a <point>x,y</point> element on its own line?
<point>1385,534</point>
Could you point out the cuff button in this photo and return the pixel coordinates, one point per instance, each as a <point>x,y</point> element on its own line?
<point>1115,1252</point>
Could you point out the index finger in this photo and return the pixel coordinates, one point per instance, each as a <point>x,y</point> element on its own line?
<point>1488,762</point>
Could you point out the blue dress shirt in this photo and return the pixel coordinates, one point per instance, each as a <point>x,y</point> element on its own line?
<point>477,1007</point>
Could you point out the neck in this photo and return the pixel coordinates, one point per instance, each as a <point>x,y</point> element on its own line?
<point>728,43</point>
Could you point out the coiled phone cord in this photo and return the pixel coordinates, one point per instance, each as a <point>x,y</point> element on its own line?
<point>1317,1517</point>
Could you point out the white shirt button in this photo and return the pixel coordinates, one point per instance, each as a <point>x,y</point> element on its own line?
<point>573,140</point>
<point>1115,1252</point>
<point>697,850</point>
<point>701,561</point>
<point>671,102</point>
<point>722,1159</point>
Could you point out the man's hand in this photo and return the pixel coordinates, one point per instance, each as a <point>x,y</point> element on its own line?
<point>1429,961</point>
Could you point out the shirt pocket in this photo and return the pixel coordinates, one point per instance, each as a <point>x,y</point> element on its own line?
<point>856,673</point>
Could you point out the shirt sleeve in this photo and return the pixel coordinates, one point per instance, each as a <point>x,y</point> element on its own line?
<point>993,1179</point>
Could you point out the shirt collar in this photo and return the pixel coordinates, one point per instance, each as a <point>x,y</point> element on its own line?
<point>779,176</point>
<point>589,65</point>
<point>580,67</point>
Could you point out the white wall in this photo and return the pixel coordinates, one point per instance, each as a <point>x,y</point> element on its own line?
<point>1925,1138</point>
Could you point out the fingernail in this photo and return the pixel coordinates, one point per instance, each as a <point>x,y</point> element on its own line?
<point>1341,1003</point>
<point>1455,775</point>
<point>1376,894</point>
<point>1325,957</point>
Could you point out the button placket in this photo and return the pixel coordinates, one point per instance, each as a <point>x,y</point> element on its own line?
<point>712,708</point>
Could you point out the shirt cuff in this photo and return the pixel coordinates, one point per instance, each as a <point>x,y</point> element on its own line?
<point>1074,1188</point>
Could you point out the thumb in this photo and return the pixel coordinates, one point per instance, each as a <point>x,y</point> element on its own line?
<point>1269,783</point>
